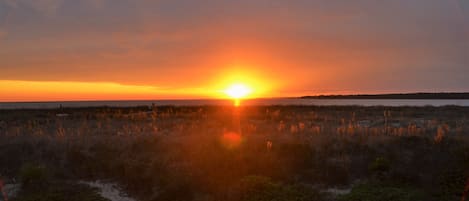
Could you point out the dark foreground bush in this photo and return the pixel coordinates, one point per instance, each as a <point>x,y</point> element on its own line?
<point>380,192</point>
<point>60,191</point>
<point>33,176</point>
<point>258,188</point>
<point>379,165</point>
<point>38,184</point>
<point>451,185</point>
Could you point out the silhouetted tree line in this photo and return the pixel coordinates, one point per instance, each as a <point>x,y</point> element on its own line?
<point>394,96</point>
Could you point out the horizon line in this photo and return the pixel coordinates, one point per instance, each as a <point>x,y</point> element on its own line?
<point>228,99</point>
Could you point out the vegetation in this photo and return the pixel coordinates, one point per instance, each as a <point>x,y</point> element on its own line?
<point>377,192</point>
<point>258,188</point>
<point>246,153</point>
<point>60,191</point>
<point>396,96</point>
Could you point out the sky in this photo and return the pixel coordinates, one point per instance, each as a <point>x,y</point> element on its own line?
<point>172,49</point>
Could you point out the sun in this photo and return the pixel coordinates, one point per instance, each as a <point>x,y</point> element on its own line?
<point>238,91</point>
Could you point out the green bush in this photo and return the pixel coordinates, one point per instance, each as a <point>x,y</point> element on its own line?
<point>258,188</point>
<point>451,185</point>
<point>380,165</point>
<point>61,192</point>
<point>378,192</point>
<point>33,176</point>
<point>177,190</point>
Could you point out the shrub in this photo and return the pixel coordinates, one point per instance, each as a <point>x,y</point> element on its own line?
<point>378,192</point>
<point>380,165</point>
<point>335,175</point>
<point>178,190</point>
<point>33,176</point>
<point>258,188</point>
<point>60,192</point>
<point>451,185</point>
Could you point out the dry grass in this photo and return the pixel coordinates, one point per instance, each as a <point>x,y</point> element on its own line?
<point>205,151</point>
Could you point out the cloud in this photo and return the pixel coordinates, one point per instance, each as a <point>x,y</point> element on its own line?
<point>45,7</point>
<point>464,8</point>
<point>154,42</point>
<point>12,3</point>
<point>96,4</point>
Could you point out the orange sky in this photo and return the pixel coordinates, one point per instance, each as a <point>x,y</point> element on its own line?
<point>102,50</point>
<point>15,90</point>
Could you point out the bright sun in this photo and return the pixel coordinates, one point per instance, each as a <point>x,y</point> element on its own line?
<point>238,91</point>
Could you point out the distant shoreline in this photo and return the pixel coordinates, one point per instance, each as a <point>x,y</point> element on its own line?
<point>429,96</point>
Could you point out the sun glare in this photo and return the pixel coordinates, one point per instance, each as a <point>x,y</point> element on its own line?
<point>238,91</point>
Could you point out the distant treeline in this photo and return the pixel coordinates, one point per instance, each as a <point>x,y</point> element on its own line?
<point>394,96</point>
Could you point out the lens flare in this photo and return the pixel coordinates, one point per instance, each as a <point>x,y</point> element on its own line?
<point>231,140</point>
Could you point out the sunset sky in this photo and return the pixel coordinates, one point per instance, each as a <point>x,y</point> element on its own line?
<point>164,49</point>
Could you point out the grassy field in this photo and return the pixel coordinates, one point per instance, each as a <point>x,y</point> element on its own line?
<point>343,153</point>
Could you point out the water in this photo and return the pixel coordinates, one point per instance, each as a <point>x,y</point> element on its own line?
<point>253,102</point>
